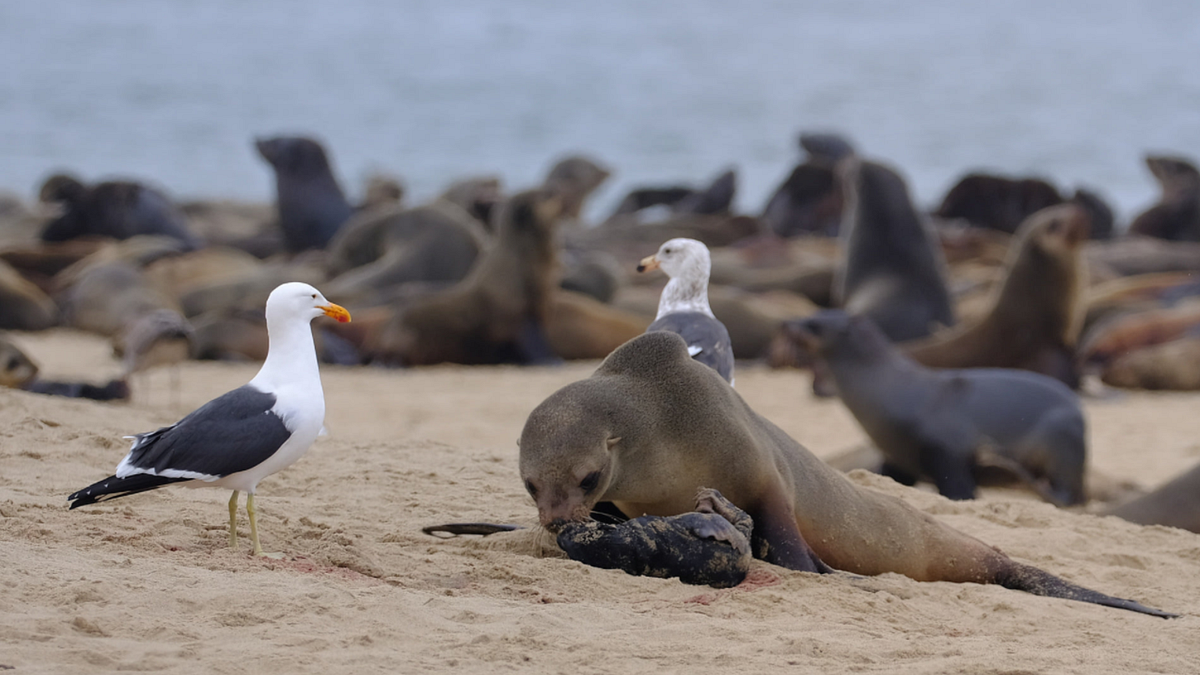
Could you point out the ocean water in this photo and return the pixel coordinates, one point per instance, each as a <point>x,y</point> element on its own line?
<point>173,91</point>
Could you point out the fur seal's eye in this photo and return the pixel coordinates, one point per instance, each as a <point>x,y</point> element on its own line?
<point>590,481</point>
<point>531,489</point>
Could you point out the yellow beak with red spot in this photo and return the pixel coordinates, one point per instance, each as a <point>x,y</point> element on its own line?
<point>336,311</point>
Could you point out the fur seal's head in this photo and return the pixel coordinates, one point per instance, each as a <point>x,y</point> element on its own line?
<point>1177,175</point>
<point>567,452</point>
<point>825,149</point>
<point>297,156</point>
<point>572,446</point>
<point>573,179</point>
<point>832,333</point>
<point>62,187</point>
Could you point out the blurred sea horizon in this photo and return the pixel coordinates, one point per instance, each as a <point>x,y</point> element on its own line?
<point>173,92</point>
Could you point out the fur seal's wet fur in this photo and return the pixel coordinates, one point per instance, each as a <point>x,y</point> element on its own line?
<point>708,546</point>
<point>651,426</point>
<point>945,425</point>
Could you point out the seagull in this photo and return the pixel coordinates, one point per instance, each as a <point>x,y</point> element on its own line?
<point>683,307</point>
<point>245,435</point>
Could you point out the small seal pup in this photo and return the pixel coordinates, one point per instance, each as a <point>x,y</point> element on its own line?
<point>651,426</point>
<point>709,546</point>
<point>312,206</point>
<point>943,425</point>
<point>683,307</point>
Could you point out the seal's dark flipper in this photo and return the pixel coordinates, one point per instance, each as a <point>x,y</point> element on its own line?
<point>777,539</point>
<point>456,529</point>
<point>951,473</point>
<point>1040,582</point>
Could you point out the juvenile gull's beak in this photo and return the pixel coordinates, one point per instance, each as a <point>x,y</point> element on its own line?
<point>648,263</point>
<point>336,311</point>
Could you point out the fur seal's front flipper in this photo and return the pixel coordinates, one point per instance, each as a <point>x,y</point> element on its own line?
<point>1039,582</point>
<point>456,529</point>
<point>778,540</point>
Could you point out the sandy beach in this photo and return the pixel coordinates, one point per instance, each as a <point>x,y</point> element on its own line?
<point>147,583</point>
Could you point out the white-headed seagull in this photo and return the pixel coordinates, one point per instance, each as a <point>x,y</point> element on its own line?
<point>683,307</point>
<point>243,436</point>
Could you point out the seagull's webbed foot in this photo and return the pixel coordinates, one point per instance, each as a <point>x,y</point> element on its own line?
<point>253,513</point>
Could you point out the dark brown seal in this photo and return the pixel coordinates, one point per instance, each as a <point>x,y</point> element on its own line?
<point>117,209</point>
<point>893,271</point>
<point>947,425</point>
<point>311,204</point>
<point>651,426</point>
<point>1034,320</point>
<point>1176,216</point>
<point>997,202</point>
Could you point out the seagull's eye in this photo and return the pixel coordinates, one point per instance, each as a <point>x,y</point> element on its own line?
<point>590,482</point>
<point>314,296</point>
<point>531,489</point>
<point>666,251</point>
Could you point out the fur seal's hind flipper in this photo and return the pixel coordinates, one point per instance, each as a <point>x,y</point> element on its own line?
<point>778,540</point>
<point>456,529</point>
<point>1039,582</point>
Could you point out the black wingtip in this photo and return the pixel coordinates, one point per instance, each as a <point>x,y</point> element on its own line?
<point>114,488</point>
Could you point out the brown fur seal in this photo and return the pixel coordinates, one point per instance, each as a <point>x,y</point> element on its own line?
<point>117,209</point>
<point>716,197</point>
<point>943,425</point>
<point>498,313</point>
<point>1119,335</point>
<point>311,204</point>
<point>1174,504</point>
<point>1176,216</point>
<point>581,327</point>
<point>893,271</point>
<point>109,297</point>
<point>810,200</point>
<point>573,179</point>
<point>1034,321</point>
<point>651,426</point>
<point>1169,366</point>
<point>23,306</point>
<point>389,246</point>
<point>997,202</point>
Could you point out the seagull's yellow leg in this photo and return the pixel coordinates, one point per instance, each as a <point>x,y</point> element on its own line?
<point>253,513</point>
<point>233,520</point>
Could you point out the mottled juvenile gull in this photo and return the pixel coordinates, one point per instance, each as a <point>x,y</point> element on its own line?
<point>683,307</point>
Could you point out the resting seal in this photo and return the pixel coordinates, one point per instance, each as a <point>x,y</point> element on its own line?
<point>1174,504</point>
<point>651,426</point>
<point>944,425</point>
<point>1176,216</point>
<point>117,209</point>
